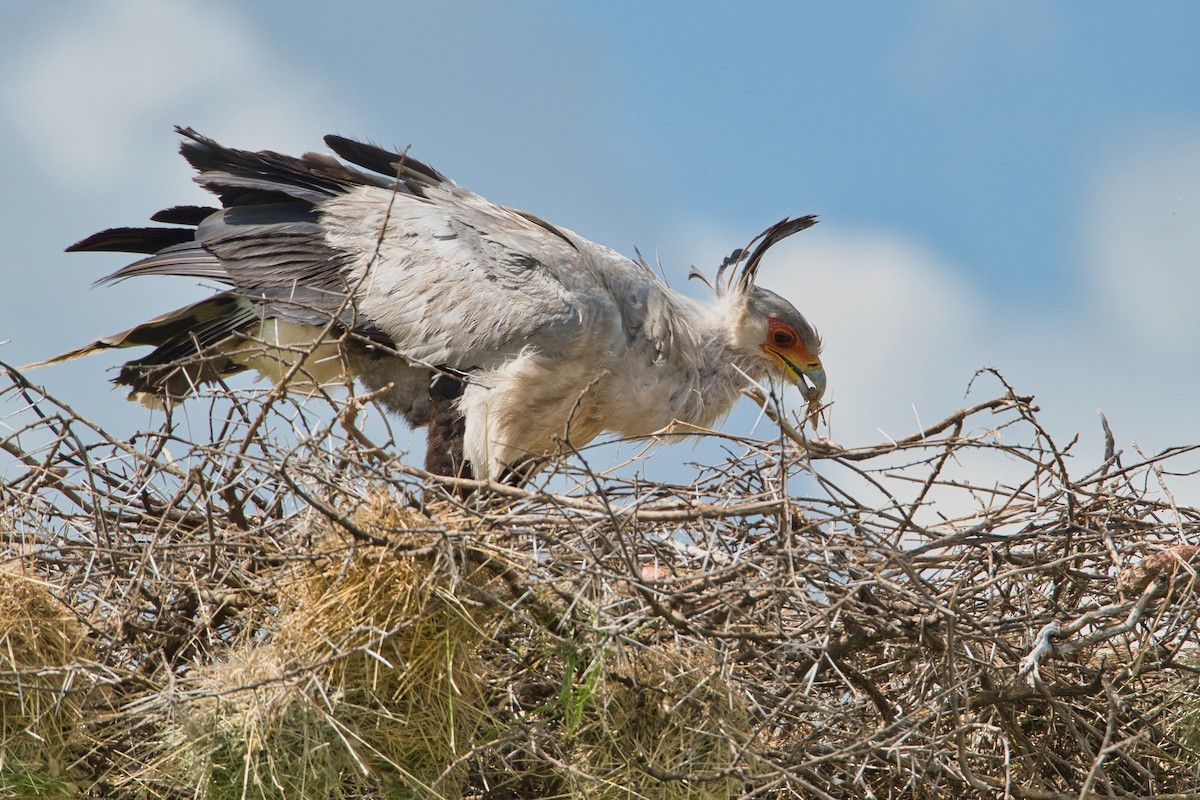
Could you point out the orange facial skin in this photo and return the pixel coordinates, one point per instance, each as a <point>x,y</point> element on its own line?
<point>788,349</point>
<point>800,365</point>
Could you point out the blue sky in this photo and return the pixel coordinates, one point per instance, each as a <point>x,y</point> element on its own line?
<point>1004,184</point>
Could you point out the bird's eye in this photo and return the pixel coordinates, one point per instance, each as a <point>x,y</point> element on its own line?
<point>783,338</point>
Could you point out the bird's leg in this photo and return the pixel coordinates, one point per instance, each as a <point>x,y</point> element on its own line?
<point>520,472</point>
<point>444,448</point>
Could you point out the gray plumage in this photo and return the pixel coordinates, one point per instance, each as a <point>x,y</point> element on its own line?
<point>555,337</point>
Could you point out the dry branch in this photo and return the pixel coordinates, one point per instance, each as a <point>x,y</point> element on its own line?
<point>279,608</point>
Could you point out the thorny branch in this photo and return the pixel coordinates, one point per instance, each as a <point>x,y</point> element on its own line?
<point>949,614</point>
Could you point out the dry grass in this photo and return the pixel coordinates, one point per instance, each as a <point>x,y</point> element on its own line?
<point>368,677</point>
<point>273,610</point>
<point>44,650</point>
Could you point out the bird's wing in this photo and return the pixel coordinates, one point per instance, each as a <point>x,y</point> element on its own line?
<point>412,260</point>
<point>457,280</point>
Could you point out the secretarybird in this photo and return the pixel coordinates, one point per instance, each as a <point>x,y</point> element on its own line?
<point>507,335</point>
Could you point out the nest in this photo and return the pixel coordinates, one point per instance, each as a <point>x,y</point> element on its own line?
<point>278,607</point>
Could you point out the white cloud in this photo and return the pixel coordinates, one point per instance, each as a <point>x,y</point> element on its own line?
<point>898,325</point>
<point>904,333</point>
<point>1142,242</point>
<point>94,94</point>
<point>903,338</point>
<point>89,98</point>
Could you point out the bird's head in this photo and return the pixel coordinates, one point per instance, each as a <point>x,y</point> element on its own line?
<point>771,337</point>
<point>786,346</point>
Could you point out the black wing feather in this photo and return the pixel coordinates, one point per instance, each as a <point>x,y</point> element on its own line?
<point>184,215</point>
<point>266,242</point>
<point>133,240</point>
<point>415,174</point>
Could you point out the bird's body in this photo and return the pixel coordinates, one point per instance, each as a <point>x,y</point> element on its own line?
<point>553,337</point>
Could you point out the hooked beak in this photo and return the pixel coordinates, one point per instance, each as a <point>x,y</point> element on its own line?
<point>809,376</point>
<point>811,380</point>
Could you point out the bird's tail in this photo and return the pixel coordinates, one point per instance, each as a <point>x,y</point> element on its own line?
<point>287,312</point>
<point>210,341</point>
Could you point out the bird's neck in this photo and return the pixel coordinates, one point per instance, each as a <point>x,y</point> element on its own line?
<point>720,369</point>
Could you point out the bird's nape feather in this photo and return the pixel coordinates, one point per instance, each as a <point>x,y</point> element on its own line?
<point>765,241</point>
